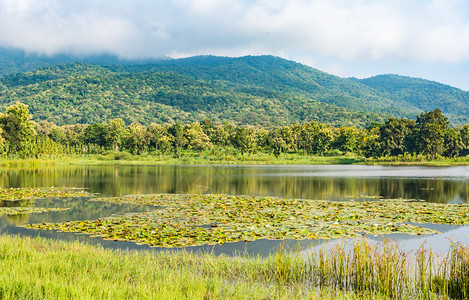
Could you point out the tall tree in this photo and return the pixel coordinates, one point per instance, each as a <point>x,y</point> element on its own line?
<point>432,127</point>
<point>244,139</point>
<point>196,137</point>
<point>18,130</point>
<point>393,136</point>
<point>346,140</point>
<point>136,138</point>
<point>115,133</point>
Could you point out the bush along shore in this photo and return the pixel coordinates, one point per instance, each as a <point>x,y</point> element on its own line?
<point>430,137</point>
<point>43,269</point>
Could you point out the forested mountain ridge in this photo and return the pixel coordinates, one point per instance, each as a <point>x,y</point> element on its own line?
<point>270,73</point>
<point>424,94</point>
<point>255,90</point>
<point>84,93</point>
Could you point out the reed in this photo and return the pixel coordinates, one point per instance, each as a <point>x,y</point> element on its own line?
<point>452,278</point>
<point>42,269</point>
<point>379,268</point>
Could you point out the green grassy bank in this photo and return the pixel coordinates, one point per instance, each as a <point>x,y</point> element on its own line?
<point>194,158</point>
<point>41,269</point>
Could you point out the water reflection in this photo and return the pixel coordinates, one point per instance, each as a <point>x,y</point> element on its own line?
<point>81,209</point>
<point>434,184</point>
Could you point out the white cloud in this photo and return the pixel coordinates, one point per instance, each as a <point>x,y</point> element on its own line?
<point>361,30</point>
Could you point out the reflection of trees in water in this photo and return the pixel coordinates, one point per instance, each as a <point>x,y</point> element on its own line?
<point>17,219</point>
<point>79,209</point>
<point>16,203</point>
<point>120,180</point>
<point>432,190</point>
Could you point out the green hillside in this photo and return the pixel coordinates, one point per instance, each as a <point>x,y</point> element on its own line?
<point>255,90</point>
<point>424,95</point>
<point>260,74</point>
<point>83,93</point>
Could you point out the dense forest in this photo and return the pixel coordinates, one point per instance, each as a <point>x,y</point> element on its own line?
<point>262,91</point>
<point>429,135</point>
<point>81,93</point>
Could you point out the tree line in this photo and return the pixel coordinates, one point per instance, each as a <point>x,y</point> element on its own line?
<point>430,134</point>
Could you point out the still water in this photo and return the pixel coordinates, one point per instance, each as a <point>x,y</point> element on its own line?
<point>433,184</point>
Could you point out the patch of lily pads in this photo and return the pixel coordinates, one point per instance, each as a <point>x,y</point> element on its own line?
<point>14,194</point>
<point>190,220</point>
<point>17,201</point>
<point>27,210</point>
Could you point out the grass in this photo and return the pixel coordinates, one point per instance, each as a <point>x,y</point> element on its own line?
<point>42,269</point>
<point>207,158</point>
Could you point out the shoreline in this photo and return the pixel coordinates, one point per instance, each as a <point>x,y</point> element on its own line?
<point>244,160</point>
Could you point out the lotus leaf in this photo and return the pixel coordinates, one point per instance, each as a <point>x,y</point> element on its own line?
<point>187,220</point>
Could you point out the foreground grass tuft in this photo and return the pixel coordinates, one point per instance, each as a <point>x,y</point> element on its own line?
<point>42,269</point>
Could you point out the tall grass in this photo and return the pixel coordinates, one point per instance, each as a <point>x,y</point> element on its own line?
<point>383,268</point>
<point>379,268</point>
<point>453,273</point>
<point>41,269</point>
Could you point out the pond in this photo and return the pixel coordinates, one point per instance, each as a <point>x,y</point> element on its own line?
<point>333,182</point>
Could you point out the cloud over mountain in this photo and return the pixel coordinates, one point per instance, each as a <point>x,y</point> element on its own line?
<point>428,30</point>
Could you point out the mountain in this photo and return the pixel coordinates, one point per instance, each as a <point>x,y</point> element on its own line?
<point>268,73</point>
<point>14,61</point>
<point>424,94</point>
<point>255,90</point>
<point>85,93</point>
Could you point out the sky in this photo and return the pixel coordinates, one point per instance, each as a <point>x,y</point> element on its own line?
<point>349,38</point>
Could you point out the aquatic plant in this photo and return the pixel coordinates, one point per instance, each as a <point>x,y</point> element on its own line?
<point>28,210</point>
<point>13,194</point>
<point>187,220</point>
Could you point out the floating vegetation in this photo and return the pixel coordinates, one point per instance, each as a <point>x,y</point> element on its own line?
<point>13,194</point>
<point>27,210</point>
<point>189,220</point>
<point>365,197</point>
<point>18,201</point>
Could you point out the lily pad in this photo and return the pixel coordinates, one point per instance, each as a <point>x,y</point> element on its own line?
<point>13,194</point>
<point>187,220</point>
<point>27,210</point>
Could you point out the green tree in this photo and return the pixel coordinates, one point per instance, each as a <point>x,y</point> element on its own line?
<point>222,135</point>
<point>277,142</point>
<point>431,127</point>
<point>136,139</point>
<point>177,131</point>
<point>453,143</point>
<point>315,138</point>
<point>464,133</point>
<point>115,133</point>
<point>369,142</point>
<point>244,139</point>
<point>18,129</point>
<point>157,134</point>
<point>196,138</point>
<point>394,135</point>
<point>96,134</point>
<point>346,141</point>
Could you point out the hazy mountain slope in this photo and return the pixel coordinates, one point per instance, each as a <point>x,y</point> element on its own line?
<point>424,94</point>
<point>14,61</point>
